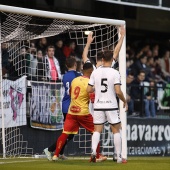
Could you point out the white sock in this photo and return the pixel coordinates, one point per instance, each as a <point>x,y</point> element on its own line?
<point>117,144</point>
<point>95,141</point>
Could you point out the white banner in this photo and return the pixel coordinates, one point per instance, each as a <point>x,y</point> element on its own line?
<point>14,102</point>
<point>45,106</point>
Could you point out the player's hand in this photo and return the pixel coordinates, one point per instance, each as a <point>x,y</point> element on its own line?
<point>90,38</point>
<point>122,30</point>
<point>125,105</point>
<point>92,97</point>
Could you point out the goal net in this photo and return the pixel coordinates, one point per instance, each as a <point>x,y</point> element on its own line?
<point>27,102</point>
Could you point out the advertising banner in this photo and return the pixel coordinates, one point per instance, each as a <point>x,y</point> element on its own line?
<point>148,137</point>
<point>14,102</point>
<point>45,106</point>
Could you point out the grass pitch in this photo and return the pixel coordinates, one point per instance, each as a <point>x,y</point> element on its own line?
<point>134,163</point>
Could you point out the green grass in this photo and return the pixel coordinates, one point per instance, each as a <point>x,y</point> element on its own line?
<point>134,163</point>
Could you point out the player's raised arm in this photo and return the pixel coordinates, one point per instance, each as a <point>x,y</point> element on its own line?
<point>90,38</point>
<point>119,44</point>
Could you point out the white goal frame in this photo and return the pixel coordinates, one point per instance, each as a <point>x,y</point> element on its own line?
<point>86,19</point>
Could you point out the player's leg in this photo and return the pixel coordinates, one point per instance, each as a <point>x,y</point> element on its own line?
<point>61,155</point>
<point>117,140</point>
<point>99,119</point>
<point>87,123</point>
<point>114,120</point>
<point>60,143</point>
<point>52,147</point>
<point>96,139</point>
<point>71,126</point>
<point>48,151</point>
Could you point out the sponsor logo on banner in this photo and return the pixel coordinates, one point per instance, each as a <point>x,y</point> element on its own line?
<point>148,136</point>
<point>45,106</point>
<point>14,102</point>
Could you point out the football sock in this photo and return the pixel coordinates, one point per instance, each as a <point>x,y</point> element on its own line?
<point>70,137</point>
<point>95,141</point>
<point>60,143</point>
<point>98,150</point>
<point>52,147</point>
<point>117,143</point>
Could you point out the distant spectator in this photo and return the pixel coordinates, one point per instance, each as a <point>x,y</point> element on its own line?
<point>150,101</point>
<point>39,54</point>
<point>70,48</point>
<point>49,69</point>
<point>42,45</point>
<point>159,75</point>
<point>140,64</point>
<point>130,101</point>
<point>137,90</point>
<point>60,55</point>
<point>149,53</point>
<point>32,44</point>
<point>155,50</point>
<point>5,59</point>
<point>19,64</point>
<point>165,64</point>
<point>128,64</point>
<point>33,62</point>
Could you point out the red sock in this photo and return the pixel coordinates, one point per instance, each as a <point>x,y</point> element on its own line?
<point>98,150</point>
<point>60,143</point>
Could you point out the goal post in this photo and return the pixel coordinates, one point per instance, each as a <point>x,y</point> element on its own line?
<point>57,15</point>
<point>22,24</point>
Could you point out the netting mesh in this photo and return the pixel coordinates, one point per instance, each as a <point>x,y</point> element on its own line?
<point>17,27</point>
<point>105,38</point>
<point>17,32</point>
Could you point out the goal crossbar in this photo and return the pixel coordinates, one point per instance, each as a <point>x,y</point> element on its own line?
<point>56,15</point>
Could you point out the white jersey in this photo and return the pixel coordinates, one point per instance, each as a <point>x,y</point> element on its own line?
<point>104,79</point>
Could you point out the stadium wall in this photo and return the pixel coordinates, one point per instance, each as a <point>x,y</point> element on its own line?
<point>145,137</point>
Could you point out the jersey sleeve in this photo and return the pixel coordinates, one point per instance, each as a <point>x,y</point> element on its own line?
<point>117,78</point>
<point>113,63</point>
<point>91,81</point>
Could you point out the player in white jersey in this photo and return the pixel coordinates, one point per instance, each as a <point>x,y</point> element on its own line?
<point>85,58</point>
<point>99,63</point>
<point>106,82</point>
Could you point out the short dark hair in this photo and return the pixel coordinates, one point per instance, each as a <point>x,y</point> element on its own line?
<point>70,61</point>
<point>50,46</point>
<point>87,66</point>
<point>131,73</point>
<point>142,71</point>
<point>142,56</point>
<point>107,55</point>
<point>99,56</point>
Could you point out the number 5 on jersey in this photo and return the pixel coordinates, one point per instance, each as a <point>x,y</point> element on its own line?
<point>104,84</point>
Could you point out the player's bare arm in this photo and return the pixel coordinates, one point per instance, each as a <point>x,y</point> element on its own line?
<point>119,44</point>
<point>90,38</point>
<point>120,95</point>
<point>90,89</point>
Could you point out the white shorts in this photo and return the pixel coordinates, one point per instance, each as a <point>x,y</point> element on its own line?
<point>112,116</point>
